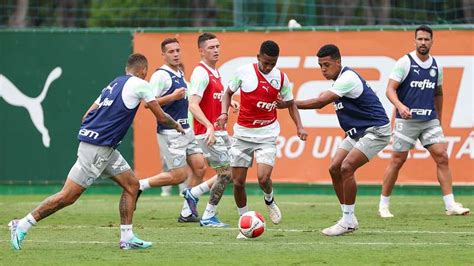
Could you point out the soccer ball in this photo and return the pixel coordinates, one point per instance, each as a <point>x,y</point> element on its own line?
<point>252,224</point>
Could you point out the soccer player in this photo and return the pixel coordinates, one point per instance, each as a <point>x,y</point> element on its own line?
<point>257,127</point>
<point>415,89</point>
<point>205,105</point>
<point>176,150</point>
<point>104,125</point>
<point>365,123</point>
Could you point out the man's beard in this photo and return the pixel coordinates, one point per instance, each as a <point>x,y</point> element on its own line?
<point>423,52</point>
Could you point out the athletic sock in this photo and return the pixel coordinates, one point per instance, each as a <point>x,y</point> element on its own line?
<point>200,189</point>
<point>126,232</point>
<point>242,210</point>
<point>27,222</point>
<point>384,201</point>
<point>342,207</point>
<point>209,212</point>
<point>348,214</point>
<point>268,197</point>
<point>144,184</point>
<point>449,201</point>
<point>185,211</point>
<point>182,187</point>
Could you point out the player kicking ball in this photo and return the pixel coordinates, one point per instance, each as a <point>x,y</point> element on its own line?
<point>103,127</point>
<point>257,128</point>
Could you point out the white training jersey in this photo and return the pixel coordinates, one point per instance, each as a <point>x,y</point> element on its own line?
<point>402,67</point>
<point>135,90</point>
<point>246,80</point>
<point>161,80</point>
<point>200,79</point>
<point>347,84</point>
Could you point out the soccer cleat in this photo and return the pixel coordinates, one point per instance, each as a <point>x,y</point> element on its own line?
<point>188,219</point>
<point>134,243</point>
<point>192,201</point>
<point>241,236</point>
<point>340,228</point>
<point>17,235</point>
<point>212,222</point>
<point>384,212</point>
<point>457,209</point>
<point>274,211</point>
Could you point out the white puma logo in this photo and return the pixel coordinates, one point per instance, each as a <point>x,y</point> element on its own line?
<point>13,96</point>
<point>417,71</point>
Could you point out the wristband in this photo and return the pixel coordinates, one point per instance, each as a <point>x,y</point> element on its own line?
<point>225,114</point>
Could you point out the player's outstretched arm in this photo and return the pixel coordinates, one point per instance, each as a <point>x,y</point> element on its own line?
<point>295,115</point>
<point>324,99</point>
<point>163,117</point>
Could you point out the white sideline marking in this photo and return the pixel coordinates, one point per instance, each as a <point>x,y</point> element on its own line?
<point>239,242</point>
<point>289,230</point>
<point>372,203</point>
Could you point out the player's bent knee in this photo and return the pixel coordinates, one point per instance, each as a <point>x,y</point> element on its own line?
<point>200,172</point>
<point>335,169</point>
<point>441,159</point>
<point>347,169</point>
<point>397,162</point>
<point>239,182</point>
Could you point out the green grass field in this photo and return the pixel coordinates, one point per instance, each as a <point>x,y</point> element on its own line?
<point>87,233</point>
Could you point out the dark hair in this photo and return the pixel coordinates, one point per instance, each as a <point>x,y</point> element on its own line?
<point>269,48</point>
<point>424,28</point>
<point>136,60</point>
<point>329,50</point>
<point>167,41</point>
<point>205,37</point>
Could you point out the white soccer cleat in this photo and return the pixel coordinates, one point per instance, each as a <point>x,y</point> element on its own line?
<point>457,209</point>
<point>384,212</point>
<point>241,236</point>
<point>274,211</point>
<point>340,228</point>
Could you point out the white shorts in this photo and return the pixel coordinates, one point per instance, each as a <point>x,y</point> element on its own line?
<point>218,154</point>
<point>96,161</point>
<point>406,132</point>
<point>175,147</point>
<point>373,141</point>
<point>244,148</point>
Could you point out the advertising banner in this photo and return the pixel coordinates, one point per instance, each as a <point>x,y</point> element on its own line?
<point>373,55</point>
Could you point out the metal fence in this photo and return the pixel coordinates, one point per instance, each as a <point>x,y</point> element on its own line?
<point>231,13</point>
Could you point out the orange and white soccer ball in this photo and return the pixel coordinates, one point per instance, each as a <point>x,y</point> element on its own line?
<point>252,224</point>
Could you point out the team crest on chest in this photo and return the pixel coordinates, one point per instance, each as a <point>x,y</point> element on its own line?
<point>275,83</point>
<point>432,73</point>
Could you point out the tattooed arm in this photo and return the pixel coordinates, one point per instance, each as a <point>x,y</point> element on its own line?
<point>163,117</point>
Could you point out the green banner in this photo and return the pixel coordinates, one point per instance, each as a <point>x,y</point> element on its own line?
<point>47,82</point>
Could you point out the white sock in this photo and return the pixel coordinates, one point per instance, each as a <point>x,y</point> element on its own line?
<point>185,211</point>
<point>27,222</point>
<point>200,189</point>
<point>243,210</point>
<point>126,232</point>
<point>384,201</point>
<point>209,212</point>
<point>449,201</point>
<point>182,187</point>
<point>342,207</point>
<point>348,213</point>
<point>144,184</point>
<point>268,197</point>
